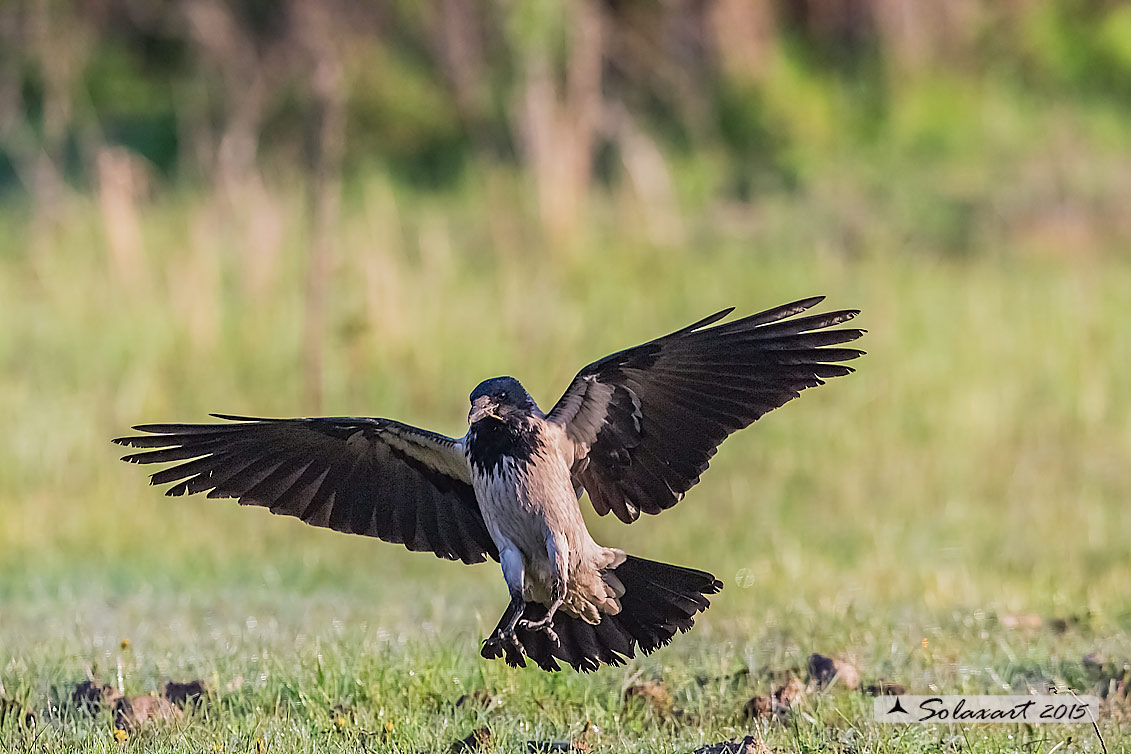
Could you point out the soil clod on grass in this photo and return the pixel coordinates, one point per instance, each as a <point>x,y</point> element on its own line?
<point>786,690</point>
<point>652,694</point>
<point>187,693</point>
<point>824,671</point>
<point>1025,620</point>
<point>759,707</point>
<point>478,698</point>
<point>1068,623</point>
<point>134,712</point>
<point>885,688</point>
<point>479,739</point>
<point>91,696</point>
<point>11,709</point>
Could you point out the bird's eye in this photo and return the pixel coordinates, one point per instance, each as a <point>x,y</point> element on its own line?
<point>503,395</point>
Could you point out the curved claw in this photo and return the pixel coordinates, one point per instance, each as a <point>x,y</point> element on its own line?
<point>505,644</point>
<point>545,625</point>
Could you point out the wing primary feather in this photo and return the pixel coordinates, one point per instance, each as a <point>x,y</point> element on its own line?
<point>277,485</point>
<point>361,475</point>
<point>706,321</point>
<point>177,452</point>
<point>237,485</point>
<point>691,389</point>
<point>246,419</point>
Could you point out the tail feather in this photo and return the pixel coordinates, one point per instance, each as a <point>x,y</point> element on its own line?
<point>658,600</point>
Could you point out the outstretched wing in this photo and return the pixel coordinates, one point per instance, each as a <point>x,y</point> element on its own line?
<point>365,476</point>
<point>644,422</point>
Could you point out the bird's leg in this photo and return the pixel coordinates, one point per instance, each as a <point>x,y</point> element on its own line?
<point>513,613</point>
<point>514,574</point>
<point>502,642</point>
<point>557,549</point>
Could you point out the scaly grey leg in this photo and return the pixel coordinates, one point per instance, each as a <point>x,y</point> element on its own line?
<point>557,549</point>
<point>503,638</point>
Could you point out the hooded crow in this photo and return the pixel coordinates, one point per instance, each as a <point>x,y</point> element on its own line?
<point>635,430</point>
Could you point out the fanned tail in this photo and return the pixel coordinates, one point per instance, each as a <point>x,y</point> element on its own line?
<point>659,599</point>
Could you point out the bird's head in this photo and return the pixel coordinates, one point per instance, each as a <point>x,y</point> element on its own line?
<point>500,398</point>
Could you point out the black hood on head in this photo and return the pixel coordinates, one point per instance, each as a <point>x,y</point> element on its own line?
<point>506,394</point>
<point>503,421</point>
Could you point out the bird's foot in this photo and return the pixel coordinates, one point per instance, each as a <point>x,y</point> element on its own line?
<point>504,643</point>
<point>545,625</point>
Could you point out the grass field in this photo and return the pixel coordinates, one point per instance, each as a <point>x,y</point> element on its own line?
<point>953,517</point>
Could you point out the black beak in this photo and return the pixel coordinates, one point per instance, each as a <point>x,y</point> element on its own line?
<point>481,408</point>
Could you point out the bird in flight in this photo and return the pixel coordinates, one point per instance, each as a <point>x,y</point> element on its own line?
<point>635,430</point>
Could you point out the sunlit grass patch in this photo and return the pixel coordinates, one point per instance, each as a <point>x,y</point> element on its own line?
<point>952,517</point>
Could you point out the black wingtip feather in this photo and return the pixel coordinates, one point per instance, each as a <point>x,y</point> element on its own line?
<point>807,303</point>
<point>709,320</point>
<point>319,470</point>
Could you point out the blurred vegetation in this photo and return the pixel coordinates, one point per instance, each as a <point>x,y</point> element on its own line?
<point>933,516</point>
<point>679,105</point>
<point>346,207</point>
<point>329,206</point>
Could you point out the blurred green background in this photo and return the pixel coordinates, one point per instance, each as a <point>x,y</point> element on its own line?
<point>365,208</point>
